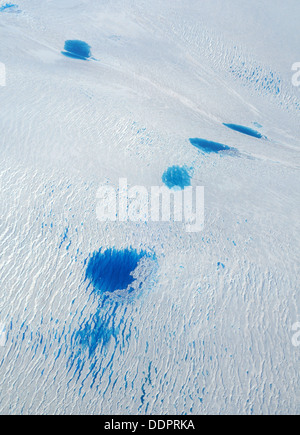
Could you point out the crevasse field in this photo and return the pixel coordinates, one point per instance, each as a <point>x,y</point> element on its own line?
<point>145,317</point>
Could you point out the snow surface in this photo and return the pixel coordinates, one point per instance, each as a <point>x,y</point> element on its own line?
<point>207,326</point>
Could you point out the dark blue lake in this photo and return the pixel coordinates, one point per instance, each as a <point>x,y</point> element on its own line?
<point>208,146</point>
<point>244,130</point>
<point>176,176</point>
<point>77,50</point>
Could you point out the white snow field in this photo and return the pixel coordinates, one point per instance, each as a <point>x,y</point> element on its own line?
<point>208,323</point>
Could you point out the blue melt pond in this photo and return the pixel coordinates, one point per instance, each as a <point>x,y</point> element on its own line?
<point>208,146</point>
<point>112,270</point>
<point>9,6</point>
<point>176,177</point>
<point>244,130</point>
<point>77,50</point>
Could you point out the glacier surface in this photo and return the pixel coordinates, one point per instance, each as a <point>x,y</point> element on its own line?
<point>190,323</point>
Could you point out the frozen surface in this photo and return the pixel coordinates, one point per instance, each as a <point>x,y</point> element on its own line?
<point>204,324</point>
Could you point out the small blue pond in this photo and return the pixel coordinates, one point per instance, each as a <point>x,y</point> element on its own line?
<point>244,130</point>
<point>77,50</point>
<point>176,177</point>
<point>208,146</point>
<point>9,7</point>
<point>112,270</point>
